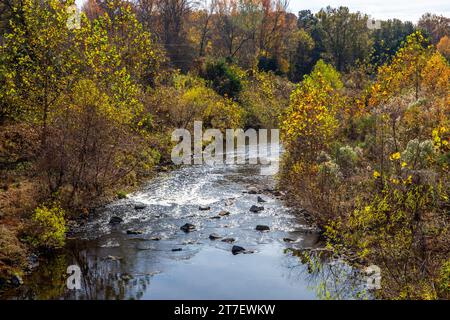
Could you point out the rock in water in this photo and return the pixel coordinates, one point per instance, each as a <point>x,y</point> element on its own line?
<point>188,227</point>
<point>177,249</point>
<point>214,236</point>
<point>224,213</point>
<point>262,228</point>
<point>204,208</point>
<point>135,232</point>
<point>115,220</point>
<point>288,240</point>
<point>256,209</point>
<point>260,200</point>
<point>253,190</point>
<point>228,240</point>
<point>139,206</point>
<point>237,249</point>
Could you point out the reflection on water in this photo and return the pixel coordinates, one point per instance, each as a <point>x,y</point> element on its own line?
<point>329,276</point>
<point>162,262</point>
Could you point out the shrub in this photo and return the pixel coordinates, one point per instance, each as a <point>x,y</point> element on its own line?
<point>347,159</point>
<point>121,195</point>
<point>224,80</point>
<point>444,279</point>
<point>330,172</point>
<point>418,154</point>
<point>51,227</point>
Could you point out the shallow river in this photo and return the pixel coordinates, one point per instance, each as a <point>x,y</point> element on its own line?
<point>164,262</point>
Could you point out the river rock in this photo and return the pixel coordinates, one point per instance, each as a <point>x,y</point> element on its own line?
<point>188,227</point>
<point>155,238</point>
<point>256,209</point>
<point>229,240</point>
<point>140,206</point>
<point>237,249</point>
<point>214,236</point>
<point>288,240</point>
<point>134,232</point>
<point>224,213</point>
<point>260,200</point>
<point>216,217</point>
<point>229,202</point>
<point>177,249</point>
<point>115,220</point>
<point>253,190</point>
<point>262,228</point>
<point>204,208</point>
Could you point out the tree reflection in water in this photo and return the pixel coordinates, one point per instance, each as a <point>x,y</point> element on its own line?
<point>330,277</point>
<point>102,278</point>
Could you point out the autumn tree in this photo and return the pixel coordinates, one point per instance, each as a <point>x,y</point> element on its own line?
<point>434,26</point>
<point>38,64</point>
<point>345,36</point>
<point>388,39</point>
<point>444,47</point>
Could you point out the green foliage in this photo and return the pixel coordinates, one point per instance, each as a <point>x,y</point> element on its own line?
<point>121,195</point>
<point>264,97</point>
<point>310,121</point>
<point>344,36</point>
<point>347,159</point>
<point>224,80</point>
<point>50,226</point>
<point>444,279</point>
<point>388,39</point>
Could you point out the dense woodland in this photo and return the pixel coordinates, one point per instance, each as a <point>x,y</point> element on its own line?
<point>86,114</point>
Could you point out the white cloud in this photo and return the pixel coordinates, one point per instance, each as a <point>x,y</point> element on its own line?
<point>410,10</point>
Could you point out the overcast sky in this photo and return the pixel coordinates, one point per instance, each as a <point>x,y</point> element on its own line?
<point>410,10</point>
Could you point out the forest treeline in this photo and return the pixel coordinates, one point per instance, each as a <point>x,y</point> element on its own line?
<point>87,112</point>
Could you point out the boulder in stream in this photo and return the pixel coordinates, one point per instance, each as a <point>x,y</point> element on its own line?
<point>204,208</point>
<point>187,227</point>
<point>256,209</point>
<point>262,228</point>
<point>115,220</point>
<point>260,200</point>
<point>140,206</point>
<point>253,190</point>
<point>134,232</point>
<point>224,213</point>
<point>229,240</point>
<point>214,236</point>
<point>237,249</point>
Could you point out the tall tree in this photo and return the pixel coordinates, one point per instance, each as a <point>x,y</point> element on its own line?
<point>389,38</point>
<point>345,36</point>
<point>435,26</point>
